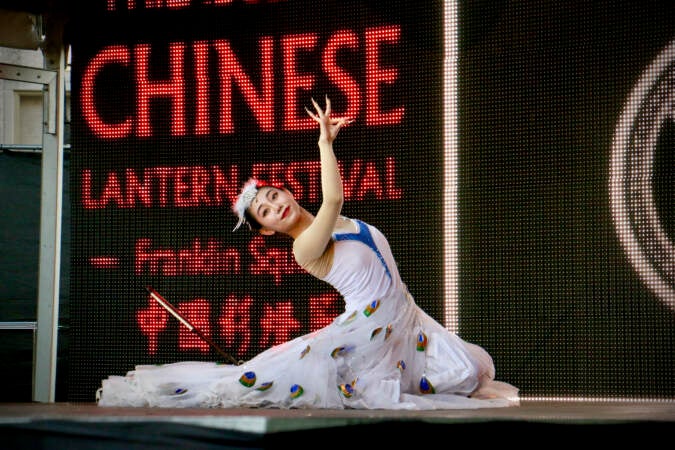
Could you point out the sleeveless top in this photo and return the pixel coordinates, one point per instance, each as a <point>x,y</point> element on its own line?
<point>363,266</point>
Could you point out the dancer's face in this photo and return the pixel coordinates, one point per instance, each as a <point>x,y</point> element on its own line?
<point>275,209</point>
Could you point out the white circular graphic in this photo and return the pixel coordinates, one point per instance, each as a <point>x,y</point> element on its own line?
<point>649,108</point>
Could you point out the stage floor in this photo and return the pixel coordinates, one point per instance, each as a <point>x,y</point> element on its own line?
<point>85,425</point>
<point>270,420</point>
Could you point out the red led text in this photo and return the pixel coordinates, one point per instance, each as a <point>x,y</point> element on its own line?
<point>130,5</point>
<point>363,96</point>
<point>202,258</point>
<point>199,186</point>
<point>232,327</point>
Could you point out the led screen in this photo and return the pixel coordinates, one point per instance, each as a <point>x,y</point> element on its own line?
<point>517,155</point>
<point>177,105</point>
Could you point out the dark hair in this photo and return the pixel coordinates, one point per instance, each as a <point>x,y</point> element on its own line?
<point>252,223</point>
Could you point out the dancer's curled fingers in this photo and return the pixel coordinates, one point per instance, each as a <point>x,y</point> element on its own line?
<point>329,126</point>
<point>328,108</point>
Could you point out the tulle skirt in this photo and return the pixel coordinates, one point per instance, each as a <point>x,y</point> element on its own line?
<point>388,354</point>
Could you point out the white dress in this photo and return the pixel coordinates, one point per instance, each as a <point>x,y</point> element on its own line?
<point>383,352</point>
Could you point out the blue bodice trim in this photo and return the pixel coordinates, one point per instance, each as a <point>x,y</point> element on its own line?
<point>365,237</point>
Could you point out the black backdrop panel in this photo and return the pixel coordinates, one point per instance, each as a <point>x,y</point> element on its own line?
<point>549,281</point>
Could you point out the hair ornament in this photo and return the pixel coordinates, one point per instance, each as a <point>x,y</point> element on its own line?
<point>244,199</point>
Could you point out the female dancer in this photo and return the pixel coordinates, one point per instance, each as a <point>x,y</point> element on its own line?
<point>382,352</point>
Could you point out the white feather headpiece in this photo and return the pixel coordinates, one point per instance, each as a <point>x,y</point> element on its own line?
<point>244,199</point>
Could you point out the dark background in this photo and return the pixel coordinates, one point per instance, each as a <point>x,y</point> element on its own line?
<point>544,284</point>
